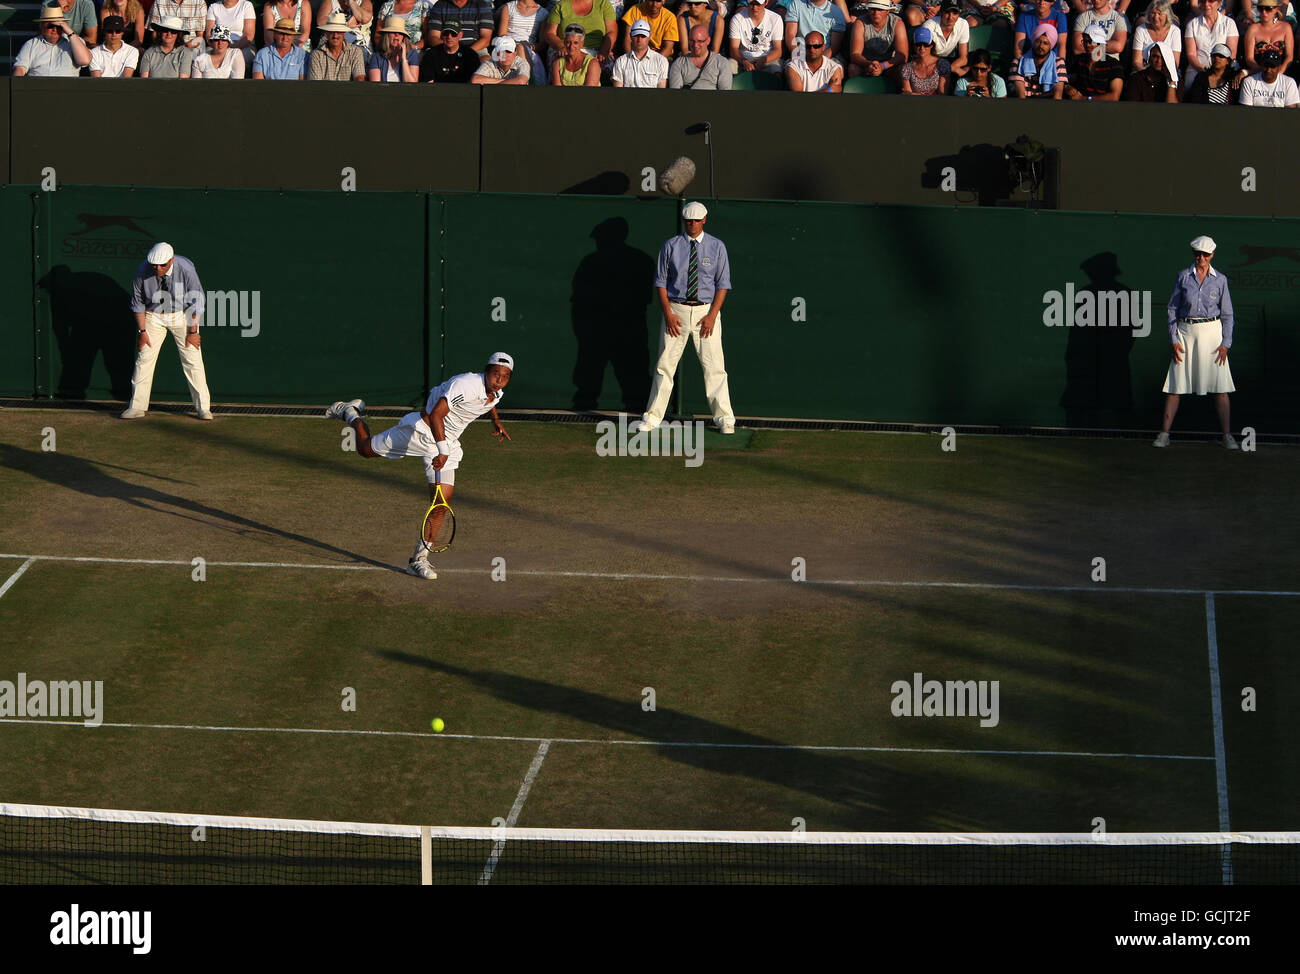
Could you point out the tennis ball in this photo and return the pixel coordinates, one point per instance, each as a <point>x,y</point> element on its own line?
<point>437,724</point>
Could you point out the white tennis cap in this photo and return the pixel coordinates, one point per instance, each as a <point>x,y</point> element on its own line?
<point>501,358</point>
<point>694,211</point>
<point>160,254</point>
<point>1204,244</point>
<point>503,44</point>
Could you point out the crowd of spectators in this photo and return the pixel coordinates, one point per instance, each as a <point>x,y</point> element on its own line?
<point>1208,51</point>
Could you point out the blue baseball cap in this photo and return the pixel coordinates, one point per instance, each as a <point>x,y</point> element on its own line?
<point>923,36</point>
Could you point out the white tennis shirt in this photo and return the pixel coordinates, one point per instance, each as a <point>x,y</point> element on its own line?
<point>467,400</point>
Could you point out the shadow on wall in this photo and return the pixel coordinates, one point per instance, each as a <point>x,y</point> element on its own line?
<point>611,291</point>
<point>979,170</point>
<point>608,183</point>
<point>90,315</point>
<point>1098,384</point>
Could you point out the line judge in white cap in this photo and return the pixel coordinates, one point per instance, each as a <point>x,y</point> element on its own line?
<point>166,296</point>
<point>1200,331</point>
<point>433,432</point>
<point>693,278</point>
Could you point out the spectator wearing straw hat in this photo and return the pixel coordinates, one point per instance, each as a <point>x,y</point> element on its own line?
<point>114,58</point>
<point>394,59</point>
<point>451,61</point>
<point>222,63</point>
<point>166,296</point>
<point>281,60</point>
<point>169,58</point>
<point>193,15</point>
<point>755,39</point>
<point>507,65</point>
<point>1200,334</point>
<point>693,280</point>
<point>359,15</point>
<point>642,66</point>
<point>55,52</point>
<point>336,59</point>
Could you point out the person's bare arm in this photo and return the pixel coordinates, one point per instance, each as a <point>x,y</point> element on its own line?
<point>837,40</point>
<point>793,82</point>
<point>901,49</point>
<point>1117,43</point>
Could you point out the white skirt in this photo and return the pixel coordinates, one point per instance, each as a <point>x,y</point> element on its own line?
<point>1198,374</point>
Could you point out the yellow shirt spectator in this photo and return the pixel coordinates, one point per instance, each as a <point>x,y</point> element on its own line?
<point>663,25</point>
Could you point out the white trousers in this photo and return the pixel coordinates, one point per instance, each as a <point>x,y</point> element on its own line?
<point>709,351</point>
<point>156,327</point>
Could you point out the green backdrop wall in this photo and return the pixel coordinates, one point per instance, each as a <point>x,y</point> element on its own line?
<point>838,311</point>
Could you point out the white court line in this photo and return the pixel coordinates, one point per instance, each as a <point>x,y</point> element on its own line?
<point>1220,752</point>
<point>491,866</point>
<point>9,582</point>
<point>645,577</point>
<point>614,741</point>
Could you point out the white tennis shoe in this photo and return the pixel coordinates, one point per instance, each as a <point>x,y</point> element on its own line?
<point>1161,440</point>
<point>1229,443</point>
<point>339,410</point>
<point>420,568</point>
<point>133,413</point>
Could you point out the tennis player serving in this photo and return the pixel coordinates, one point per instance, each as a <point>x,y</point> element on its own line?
<point>434,434</point>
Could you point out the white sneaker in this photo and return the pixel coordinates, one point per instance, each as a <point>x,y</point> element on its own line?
<point>728,428</point>
<point>1229,443</point>
<point>420,568</point>
<point>339,410</point>
<point>205,415</point>
<point>641,426</point>
<point>131,413</point>
<point>1161,440</point>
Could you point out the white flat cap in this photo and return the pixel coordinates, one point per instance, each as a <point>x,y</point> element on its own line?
<point>694,211</point>
<point>160,254</point>
<point>1204,244</point>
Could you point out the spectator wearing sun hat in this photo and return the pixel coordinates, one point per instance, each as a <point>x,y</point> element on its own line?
<point>223,63</point>
<point>641,67</point>
<point>334,59</point>
<point>281,60</point>
<point>878,41</point>
<point>55,52</point>
<point>169,58</point>
<point>394,60</point>
<point>507,65</point>
<point>240,20</point>
<point>193,15</point>
<point>114,58</point>
<point>1040,72</point>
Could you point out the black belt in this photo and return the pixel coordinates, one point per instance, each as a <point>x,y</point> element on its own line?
<point>692,304</point>
<point>1197,321</point>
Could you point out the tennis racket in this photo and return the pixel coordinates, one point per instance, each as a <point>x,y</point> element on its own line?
<point>439,525</point>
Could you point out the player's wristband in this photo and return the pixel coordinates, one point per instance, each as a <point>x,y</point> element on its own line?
<point>442,448</point>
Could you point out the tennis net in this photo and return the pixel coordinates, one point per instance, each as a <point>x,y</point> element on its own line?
<point>46,844</point>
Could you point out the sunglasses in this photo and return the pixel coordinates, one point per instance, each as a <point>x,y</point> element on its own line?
<point>816,46</point>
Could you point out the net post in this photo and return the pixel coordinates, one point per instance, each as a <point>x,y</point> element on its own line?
<point>426,855</point>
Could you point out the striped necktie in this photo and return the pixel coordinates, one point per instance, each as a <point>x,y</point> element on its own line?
<point>693,274</point>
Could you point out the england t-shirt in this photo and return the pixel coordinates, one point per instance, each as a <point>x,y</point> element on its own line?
<point>467,400</point>
<point>1282,93</point>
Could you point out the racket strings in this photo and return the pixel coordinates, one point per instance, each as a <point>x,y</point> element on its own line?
<point>438,527</point>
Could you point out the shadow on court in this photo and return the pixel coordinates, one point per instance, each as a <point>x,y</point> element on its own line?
<point>874,794</point>
<point>86,476</point>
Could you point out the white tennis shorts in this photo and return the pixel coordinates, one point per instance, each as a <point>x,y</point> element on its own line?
<point>1198,374</point>
<point>413,438</point>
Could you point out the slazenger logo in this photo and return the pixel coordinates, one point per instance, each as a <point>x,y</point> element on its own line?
<point>1098,309</point>
<point>1254,254</point>
<point>104,927</point>
<point>92,241</point>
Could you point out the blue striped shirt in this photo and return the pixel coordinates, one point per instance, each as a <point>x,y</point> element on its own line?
<point>1200,299</point>
<point>179,289</point>
<point>674,262</point>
